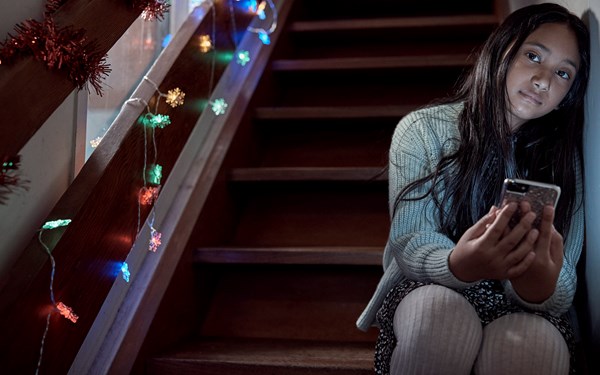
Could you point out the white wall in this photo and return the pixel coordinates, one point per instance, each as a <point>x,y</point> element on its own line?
<point>47,159</point>
<point>592,171</point>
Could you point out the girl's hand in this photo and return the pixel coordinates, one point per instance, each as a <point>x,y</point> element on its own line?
<point>491,250</point>
<point>538,282</point>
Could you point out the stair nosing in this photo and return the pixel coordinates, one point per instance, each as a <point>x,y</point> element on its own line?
<point>307,174</point>
<point>330,255</point>
<point>397,111</point>
<point>394,23</point>
<point>273,357</point>
<point>349,63</point>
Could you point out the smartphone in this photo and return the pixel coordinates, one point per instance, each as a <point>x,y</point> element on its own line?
<point>538,194</point>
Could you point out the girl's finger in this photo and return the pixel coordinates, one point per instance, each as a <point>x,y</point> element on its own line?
<point>479,228</point>
<point>517,234</point>
<point>501,218</point>
<point>546,228</point>
<point>522,266</point>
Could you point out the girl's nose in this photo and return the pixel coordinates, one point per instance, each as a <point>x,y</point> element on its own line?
<point>541,81</point>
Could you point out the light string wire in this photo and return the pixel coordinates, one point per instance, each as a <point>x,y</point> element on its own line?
<point>214,52</point>
<point>233,26</point>
<point>271,29</point>
<point>52,274</point>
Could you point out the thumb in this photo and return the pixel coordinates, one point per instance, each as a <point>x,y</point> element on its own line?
<point>479,228</point>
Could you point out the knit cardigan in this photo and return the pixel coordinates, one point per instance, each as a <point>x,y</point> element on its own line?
<point>416,248</point>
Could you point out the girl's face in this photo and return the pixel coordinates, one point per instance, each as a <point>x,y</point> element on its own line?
<point>541,73</point>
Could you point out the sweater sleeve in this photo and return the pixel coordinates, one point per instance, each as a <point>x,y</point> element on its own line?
<point>416,242</point>
<point>562,298</point>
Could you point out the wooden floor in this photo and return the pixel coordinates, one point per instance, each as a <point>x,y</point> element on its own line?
<point>288,251</point>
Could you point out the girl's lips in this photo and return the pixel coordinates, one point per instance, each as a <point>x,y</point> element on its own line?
<point>531,97</point>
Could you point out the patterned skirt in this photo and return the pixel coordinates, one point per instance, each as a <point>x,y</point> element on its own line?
<point>487,298</point>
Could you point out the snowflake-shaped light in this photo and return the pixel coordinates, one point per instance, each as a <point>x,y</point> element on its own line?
<point>125,271</point>
<point>154,240</point>
<point>159,121</point>
<point>148,195</point>
<point>264,37</point>
<point>95,142</point>
<point>56,224</point>
<point>219,106</point>
<point>67,312</point>
<point>260,11</point>
<point>155,174</point>
<point>243,57</point>
<point>175,97</point>
<point>205,43</point>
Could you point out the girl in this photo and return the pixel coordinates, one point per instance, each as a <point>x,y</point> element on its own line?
<point>462,292</point>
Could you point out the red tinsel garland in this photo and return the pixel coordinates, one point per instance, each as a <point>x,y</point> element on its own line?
<point>152,10</point>
<point>9,179</point>
<point>58,48</point>
<point>66,48</point>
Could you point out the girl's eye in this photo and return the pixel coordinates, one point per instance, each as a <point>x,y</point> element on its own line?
<point>562,74</point>
<point>533,57</point>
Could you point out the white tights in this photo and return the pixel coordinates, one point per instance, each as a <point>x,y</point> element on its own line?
<point>439,332</point>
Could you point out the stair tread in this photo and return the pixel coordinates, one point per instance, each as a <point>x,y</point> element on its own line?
<point>274,353</point>
<point>395,23</point>
<point>333,112</point>
<point>348,255</point>
<point>308,174</point>
<point>378,62</point>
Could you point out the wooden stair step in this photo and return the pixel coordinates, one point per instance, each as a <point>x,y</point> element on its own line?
<point>337,112</point>
<point>430,61</point>
<point>238,356</point>
<point>468,20</point>
<point>338,9</point>
<point>308,174</point>
<point>326,255</point>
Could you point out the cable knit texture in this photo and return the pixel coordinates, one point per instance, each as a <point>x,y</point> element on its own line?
<point>416,248</point>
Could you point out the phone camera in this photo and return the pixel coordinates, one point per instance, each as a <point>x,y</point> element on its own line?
<point>517,187</point>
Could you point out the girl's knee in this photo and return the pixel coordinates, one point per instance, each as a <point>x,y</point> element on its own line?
<point>522,343</point>
<point>437,332</point>
<point>434,303</point>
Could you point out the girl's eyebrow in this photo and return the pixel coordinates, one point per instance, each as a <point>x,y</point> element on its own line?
<point>547,50</point>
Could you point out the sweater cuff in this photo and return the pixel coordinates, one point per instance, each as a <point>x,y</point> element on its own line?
<point>446,277</point>
<point>512,294</point>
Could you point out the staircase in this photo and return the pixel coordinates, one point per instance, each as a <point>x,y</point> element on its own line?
<point>288,251</point>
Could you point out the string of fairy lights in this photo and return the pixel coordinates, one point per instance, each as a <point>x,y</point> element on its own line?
<point>153,121</point>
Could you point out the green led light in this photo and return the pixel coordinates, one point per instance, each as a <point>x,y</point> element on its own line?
<point>243,57</point>
<point>219,106</point>
<point>155,174</point>
<point>56,224</point>
<point>155,121</point>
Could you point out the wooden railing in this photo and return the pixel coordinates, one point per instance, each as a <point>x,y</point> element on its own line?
<point>102,201</point>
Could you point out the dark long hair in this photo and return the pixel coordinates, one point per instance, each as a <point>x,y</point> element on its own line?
<point>546,149</point>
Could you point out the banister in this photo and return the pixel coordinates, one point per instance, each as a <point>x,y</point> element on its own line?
<point>102,204</point>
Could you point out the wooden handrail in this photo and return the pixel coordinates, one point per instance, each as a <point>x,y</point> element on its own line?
<point>102,203</point>
<point>115,339</point>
